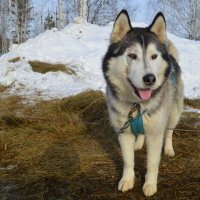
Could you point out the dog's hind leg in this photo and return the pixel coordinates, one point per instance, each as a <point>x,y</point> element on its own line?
<point>173,120</point>
<point>127,141</point>
<point>168,147</point>
<point>139,142</point>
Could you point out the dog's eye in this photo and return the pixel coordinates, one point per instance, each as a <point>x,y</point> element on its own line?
<point>154,56</point>
<point>132,56</point>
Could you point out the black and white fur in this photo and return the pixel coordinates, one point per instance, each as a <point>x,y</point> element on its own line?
<point>134,53</point>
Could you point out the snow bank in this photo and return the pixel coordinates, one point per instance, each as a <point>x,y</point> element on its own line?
<point>80,46</point>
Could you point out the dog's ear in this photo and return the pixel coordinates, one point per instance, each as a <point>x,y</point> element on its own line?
<point>121,27</point>
<point>158,26</point>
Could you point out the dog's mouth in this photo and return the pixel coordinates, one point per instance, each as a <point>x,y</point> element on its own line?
<point>144,94</point>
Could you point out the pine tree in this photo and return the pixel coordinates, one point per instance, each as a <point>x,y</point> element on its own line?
<point>49,22</point>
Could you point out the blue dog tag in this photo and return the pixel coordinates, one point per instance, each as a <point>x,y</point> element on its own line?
<point>137,124</point>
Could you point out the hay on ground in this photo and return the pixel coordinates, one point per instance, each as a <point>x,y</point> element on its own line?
<point>42,67</point>
<point>3,88</point>
<point>14,60</point>
<point>66,149</point>
<point>195,103</point>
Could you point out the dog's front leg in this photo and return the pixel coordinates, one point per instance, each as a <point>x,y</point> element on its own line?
<point>126,141</point>
<point>154,146</point>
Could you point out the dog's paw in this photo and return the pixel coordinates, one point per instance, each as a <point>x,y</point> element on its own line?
<point>126,184</point>
<point>149,189</point>
<point>139,142</point>
<point>169,152</point>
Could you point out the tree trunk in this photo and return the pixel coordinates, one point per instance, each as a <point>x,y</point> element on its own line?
<point>42,16</point>
<point>17,23</point>
<point>10,24</point>
<point>2,24</point>
<point>83,9</point>
<point>25,25</point>
<point>67,12</point>
<point>60,14</point>
<point>193,11</point>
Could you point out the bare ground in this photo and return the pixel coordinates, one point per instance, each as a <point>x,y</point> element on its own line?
<point>66,149</point>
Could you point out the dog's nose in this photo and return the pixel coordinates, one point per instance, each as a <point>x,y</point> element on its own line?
<point>149,79</point>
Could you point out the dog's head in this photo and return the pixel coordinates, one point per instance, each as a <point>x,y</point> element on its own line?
<point>137,59</point>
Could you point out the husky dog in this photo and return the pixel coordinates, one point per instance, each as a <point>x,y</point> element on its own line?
<point>143,76</point>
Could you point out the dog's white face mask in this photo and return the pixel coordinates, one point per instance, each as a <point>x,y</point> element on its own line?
<point>146,69</point>
<point>145,66</point>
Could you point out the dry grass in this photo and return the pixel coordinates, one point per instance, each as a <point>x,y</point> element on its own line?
<point>3,88</point>
<point>195,103</point>
<point>43,67</point>
<point>14,60</point>
<point>66,149</point>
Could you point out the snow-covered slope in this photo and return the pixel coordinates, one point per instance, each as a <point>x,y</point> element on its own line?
<point>81,47</point>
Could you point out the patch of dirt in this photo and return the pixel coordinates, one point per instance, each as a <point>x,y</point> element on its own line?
<point>66,149</point>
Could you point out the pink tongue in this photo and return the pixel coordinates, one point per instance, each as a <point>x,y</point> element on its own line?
<point>145,94</point>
